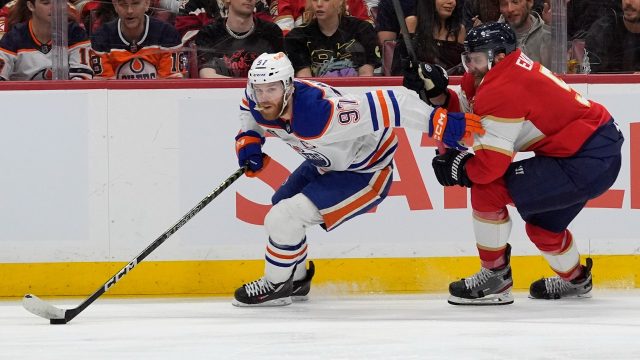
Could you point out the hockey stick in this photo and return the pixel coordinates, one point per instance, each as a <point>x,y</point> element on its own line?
<point>412,54</point>
<point>56,315</point>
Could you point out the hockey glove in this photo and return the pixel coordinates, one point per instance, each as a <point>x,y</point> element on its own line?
<point>450,168</point>
<point>249,151</point>
<point>422,76</point>
<point>453,129</point>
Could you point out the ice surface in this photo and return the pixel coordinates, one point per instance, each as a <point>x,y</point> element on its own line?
<point>606,326</point>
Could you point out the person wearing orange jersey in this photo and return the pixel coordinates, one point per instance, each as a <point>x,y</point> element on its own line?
<point>136,46</point>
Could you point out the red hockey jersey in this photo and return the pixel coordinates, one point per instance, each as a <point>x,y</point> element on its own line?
<point>525,107</point>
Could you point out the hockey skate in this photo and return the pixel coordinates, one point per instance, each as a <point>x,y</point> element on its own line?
<point>262,292</point>
<point>486,287</point>
<point>554,288</point>
<point>302,287</point>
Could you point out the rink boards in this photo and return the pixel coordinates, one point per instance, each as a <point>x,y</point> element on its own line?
<point>93,173</point>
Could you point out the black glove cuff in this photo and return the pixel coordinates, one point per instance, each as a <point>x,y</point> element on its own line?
<point>446,98</point>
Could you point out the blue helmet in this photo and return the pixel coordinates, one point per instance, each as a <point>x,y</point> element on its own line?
<point>491,37</point>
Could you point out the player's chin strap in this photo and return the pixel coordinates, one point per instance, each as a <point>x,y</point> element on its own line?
<point>285,98</point>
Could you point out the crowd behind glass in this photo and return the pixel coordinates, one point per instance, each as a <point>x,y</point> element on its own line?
<point>151,39</point>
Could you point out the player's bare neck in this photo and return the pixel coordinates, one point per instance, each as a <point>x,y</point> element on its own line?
<point>239,24</point>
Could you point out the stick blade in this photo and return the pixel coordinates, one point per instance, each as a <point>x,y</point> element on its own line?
<point>41,308</point>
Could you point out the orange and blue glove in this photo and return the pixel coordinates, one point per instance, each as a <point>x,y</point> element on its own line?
<point>249,151</point>
<point>454,129</point>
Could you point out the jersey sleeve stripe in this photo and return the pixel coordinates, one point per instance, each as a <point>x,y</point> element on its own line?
<point>500,150</point>
<point>366,160</point>
<point>374,114</point>
<point>396,108</point>
<point>350,207</point>
<point>383,107</point>
<point>384,148</point>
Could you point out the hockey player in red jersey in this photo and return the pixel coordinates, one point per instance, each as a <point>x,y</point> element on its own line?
<point>524,107</point>
<point>348,146</point>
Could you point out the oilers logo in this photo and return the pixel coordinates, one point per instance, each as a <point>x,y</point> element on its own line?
<point>136,69</point>
<point>314,157</point>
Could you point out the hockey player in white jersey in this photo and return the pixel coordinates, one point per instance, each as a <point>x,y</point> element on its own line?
<point>348,145</point>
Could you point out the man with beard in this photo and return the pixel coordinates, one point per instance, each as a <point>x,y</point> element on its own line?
<point>348,145</point>
<point>227,48</point>
<point>534,36</point>
<point>576,146</point>
<point>614,40</point>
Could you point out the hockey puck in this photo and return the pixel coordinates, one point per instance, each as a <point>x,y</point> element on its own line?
<point>58,321</point>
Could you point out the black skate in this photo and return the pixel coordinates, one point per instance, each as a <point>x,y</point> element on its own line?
<point>486,287</point>
<point>262,292</point>
<point>554,288</point>
<point>302,287</point>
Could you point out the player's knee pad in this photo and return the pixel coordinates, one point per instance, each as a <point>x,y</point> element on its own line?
<point>286,221</point>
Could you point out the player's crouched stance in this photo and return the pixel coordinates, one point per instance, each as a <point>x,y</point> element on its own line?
<point>348,146</point>
<point>577,148</point>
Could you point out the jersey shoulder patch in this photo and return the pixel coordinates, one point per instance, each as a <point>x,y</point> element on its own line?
<point>312,110</point>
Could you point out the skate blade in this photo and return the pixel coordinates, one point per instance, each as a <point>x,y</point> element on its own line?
<point>299,298</point>
<point>494,299</point>
<point>276,302</point>
<point>581,296</point>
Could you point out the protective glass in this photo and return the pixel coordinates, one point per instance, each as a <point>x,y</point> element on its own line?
<point>479,60</point>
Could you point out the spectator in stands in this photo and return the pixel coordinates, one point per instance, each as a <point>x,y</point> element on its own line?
<point>95,13</point>
<point>476,12</point>
<point>292,13</point>
<point>25,51</point>
<point>195,14</point>
<point>534,36</point>
<point>136,46</point>
<point>6,22</point>
<point>440,34</point>
<point>333,44</point>
<point>388,29</point>
<point>228,47</point>
<point>614,40</point>
<point>582,14</point>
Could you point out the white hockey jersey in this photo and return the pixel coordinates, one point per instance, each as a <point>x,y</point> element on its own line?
<point>342,132</point>
<point>23,57</point>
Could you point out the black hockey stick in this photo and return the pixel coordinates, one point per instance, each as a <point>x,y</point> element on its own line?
<point>56,315</point>
<point>412,54</point>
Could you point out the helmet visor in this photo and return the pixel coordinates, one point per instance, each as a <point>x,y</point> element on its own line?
<point>269,93</point>
<point>476,61</point>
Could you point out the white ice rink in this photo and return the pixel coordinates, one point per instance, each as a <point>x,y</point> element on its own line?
<point>606,326</point>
